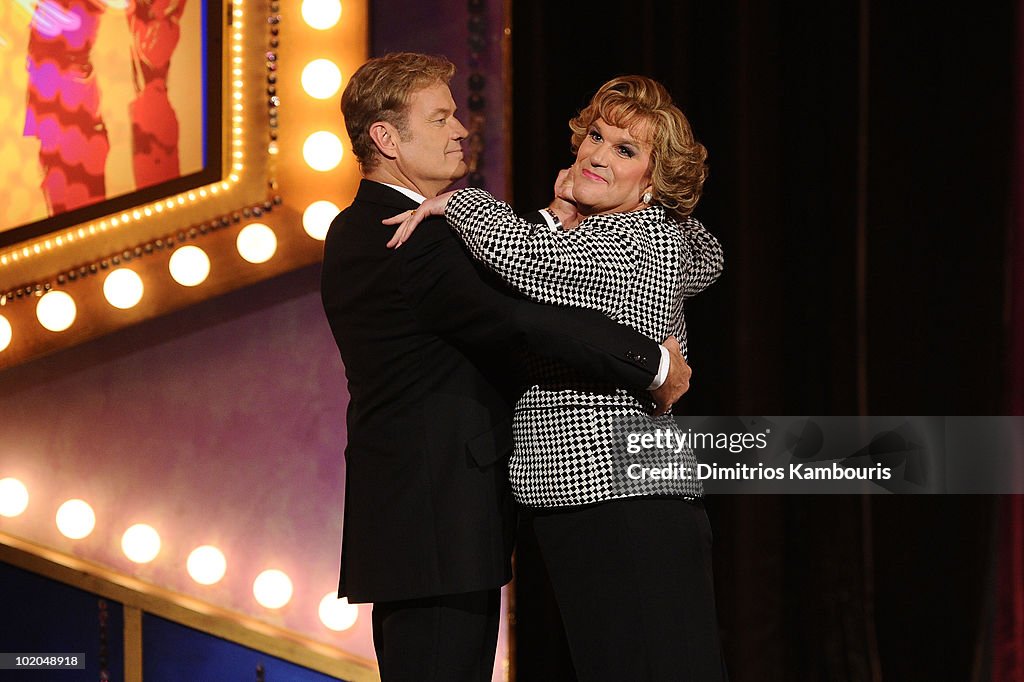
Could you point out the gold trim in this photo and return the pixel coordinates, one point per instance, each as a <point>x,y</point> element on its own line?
<point>132,644</point>
<point>143,597</point>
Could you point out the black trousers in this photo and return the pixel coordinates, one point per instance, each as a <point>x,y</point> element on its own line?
<point>634,585</point>
<point>450,638</point>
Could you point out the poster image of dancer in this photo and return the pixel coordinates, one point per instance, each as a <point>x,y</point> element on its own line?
<point>104,92</point>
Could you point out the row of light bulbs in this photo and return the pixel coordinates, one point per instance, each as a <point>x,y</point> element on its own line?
<point>321,79</point>
<point>189,266</point>
<point>206,564</point>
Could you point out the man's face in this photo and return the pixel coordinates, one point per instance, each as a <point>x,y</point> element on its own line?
<point>430,151</point>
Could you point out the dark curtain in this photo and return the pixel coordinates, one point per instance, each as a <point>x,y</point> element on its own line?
<point>1008,627</point>
<point>860,185</point>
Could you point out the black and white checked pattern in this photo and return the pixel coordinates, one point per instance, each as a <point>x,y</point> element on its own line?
<point>637,268</point>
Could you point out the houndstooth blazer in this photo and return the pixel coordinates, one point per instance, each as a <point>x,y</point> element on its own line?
<point>637,268</point>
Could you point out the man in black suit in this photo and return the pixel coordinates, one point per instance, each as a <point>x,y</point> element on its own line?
<point>427,345</point>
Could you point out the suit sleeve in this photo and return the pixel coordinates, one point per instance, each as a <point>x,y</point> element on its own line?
<point>450,299</point>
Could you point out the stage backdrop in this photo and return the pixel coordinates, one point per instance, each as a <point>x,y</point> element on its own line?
<point>223,423</point>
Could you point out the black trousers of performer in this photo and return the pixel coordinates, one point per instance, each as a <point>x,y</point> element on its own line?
<point>450,638</point>
<point>633,582</point>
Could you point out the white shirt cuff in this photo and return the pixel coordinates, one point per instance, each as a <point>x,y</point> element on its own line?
<point>666,361</point>
<point>552,221</point>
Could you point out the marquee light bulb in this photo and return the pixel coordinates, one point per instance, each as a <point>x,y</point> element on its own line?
<point>321,14</point>
<point>6,332</point>
<point>317,217</point>
<point>321,78</point>
<point>322,151</point>
<point>337,614</point>
<point>123,288</point>
<point>206,565</point>
<point>76,519</point>
<point>13,497</point>
<point>256,243</point>
<point>189,266</point>
<point>56,311</point>
<point>272,588</point>
<point>141,543</point>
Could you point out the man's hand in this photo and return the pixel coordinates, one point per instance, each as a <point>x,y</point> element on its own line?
<point>676,383</point>
<point>564,204</point>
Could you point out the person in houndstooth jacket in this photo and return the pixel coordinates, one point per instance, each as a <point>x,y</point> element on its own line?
<point>628,556</point>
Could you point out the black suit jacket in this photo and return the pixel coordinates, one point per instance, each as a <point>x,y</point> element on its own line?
<point>426,345</point>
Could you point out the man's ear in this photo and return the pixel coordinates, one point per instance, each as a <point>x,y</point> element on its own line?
<point>385,137</point>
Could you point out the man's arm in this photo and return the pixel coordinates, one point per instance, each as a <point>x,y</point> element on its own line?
<point>451,299</point>
<point>589,342</point>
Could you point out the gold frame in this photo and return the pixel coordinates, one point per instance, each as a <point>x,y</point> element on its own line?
<point>265,179</point>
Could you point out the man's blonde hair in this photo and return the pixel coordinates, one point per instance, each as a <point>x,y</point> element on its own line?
<point>380,90</point>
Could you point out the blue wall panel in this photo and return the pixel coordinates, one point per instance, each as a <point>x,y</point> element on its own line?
<point>45,616</point>
<point>173,652</point>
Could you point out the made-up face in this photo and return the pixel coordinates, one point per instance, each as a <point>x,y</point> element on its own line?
<point>429,153</point>
<point>612,169</point>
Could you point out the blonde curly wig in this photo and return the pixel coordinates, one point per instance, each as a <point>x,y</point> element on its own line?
<point>678,161</point>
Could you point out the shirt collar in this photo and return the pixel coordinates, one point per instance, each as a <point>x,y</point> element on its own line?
<point>418,198</point>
